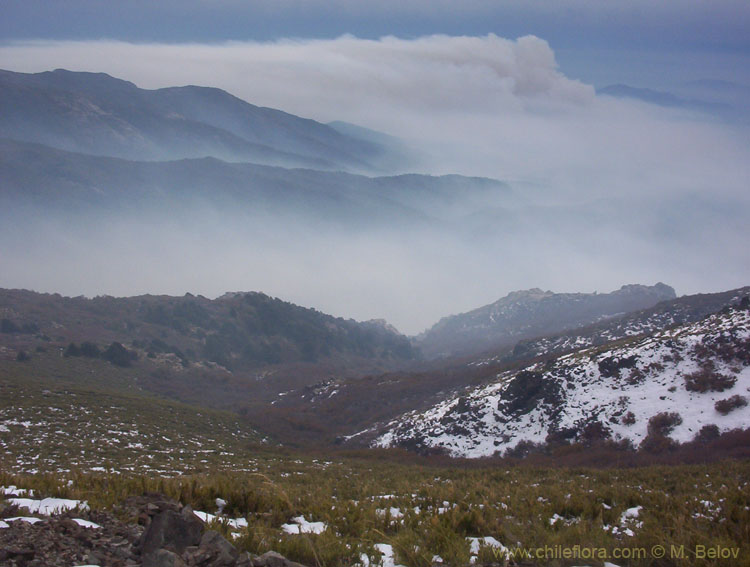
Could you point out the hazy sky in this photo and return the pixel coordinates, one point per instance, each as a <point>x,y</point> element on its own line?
<point>599,41</point>
<point>615,191</point>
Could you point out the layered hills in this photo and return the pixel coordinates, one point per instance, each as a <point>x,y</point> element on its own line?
<point>55,182</point>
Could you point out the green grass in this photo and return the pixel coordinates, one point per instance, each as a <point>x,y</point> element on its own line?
<point>94,417</point>
<point>683,507</point>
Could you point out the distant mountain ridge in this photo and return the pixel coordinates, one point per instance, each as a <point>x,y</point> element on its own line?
<point>97,114</point>
<point>61,182</point>
<point>530,313</point>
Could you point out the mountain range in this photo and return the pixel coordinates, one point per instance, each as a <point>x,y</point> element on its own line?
<point>531,313</point>
<point>57,182</point>
<point>94,113</point>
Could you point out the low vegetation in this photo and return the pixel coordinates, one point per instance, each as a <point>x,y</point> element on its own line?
<point>423,510</point>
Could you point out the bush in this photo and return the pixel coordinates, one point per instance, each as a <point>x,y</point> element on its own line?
<point>663,423</point>
<point>72,350</point>
<point>707,379</point>
<point>628,418</point>
<point>610,367</point>
<point>523,449</point>
<point>594,432</point>
<point>657,443</point>
<point>90,350</point>
<point>708,433</point>
<point>119,355</point>
<point>8,326</point>
<point>730,404</point>
<point>659,427</point>
<point>22,356</point>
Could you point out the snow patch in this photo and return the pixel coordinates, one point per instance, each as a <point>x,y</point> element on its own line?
<point>300,525</point>
<point>388,559</point>
<point>86,524</point>
<point>48,506</point>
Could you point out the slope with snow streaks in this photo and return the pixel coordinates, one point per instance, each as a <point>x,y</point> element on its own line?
<point>606,392</point>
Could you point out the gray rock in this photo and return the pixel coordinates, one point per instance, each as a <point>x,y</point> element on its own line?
<point>244,560</point>
<point>163,558</point>
<point>273,559</point>
<point>222,552</point>
<point>173,530</point>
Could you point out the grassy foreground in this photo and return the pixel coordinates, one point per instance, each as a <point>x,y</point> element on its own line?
<point>688,515</point>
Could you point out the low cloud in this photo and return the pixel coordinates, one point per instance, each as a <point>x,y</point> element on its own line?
<point>610,191</point>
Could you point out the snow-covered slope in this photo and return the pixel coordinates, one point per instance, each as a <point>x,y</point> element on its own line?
<point>670,384</point>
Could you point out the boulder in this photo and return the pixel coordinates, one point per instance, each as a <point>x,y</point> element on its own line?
<point>220,552</point>
<point>163,558</point>
<point>172,530</point>
<point>273,559</point>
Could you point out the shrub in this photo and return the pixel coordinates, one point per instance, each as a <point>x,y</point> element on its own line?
<point>562,436</point>
<point>90,350</point>
<point>628,418</point>
<point>663,423</point>
<point>708,433</point>
<point>8,326</point>
<point>522,449</point>
<point>707,379</point>
<point>593,432</point>
<point>657,443</point>
<point>730,404</point>
<point>119,355</point>
<point>610,367</point>
<point>526,391</point>
<point>22,356</point>
<point>659,427</point>
<point>72,350</point>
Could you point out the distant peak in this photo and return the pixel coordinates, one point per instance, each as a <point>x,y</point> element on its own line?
<point>659,288</point>
<point>383,324</point>
<point>531,293</point>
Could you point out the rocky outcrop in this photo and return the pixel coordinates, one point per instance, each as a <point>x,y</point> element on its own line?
<point>60,541</point>
<point>164,534</point>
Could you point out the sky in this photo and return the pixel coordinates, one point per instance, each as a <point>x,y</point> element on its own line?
<point>598,41</point>
<point>492,88</point>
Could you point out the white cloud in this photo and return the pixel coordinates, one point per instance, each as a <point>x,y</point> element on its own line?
<point>474,105</point>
